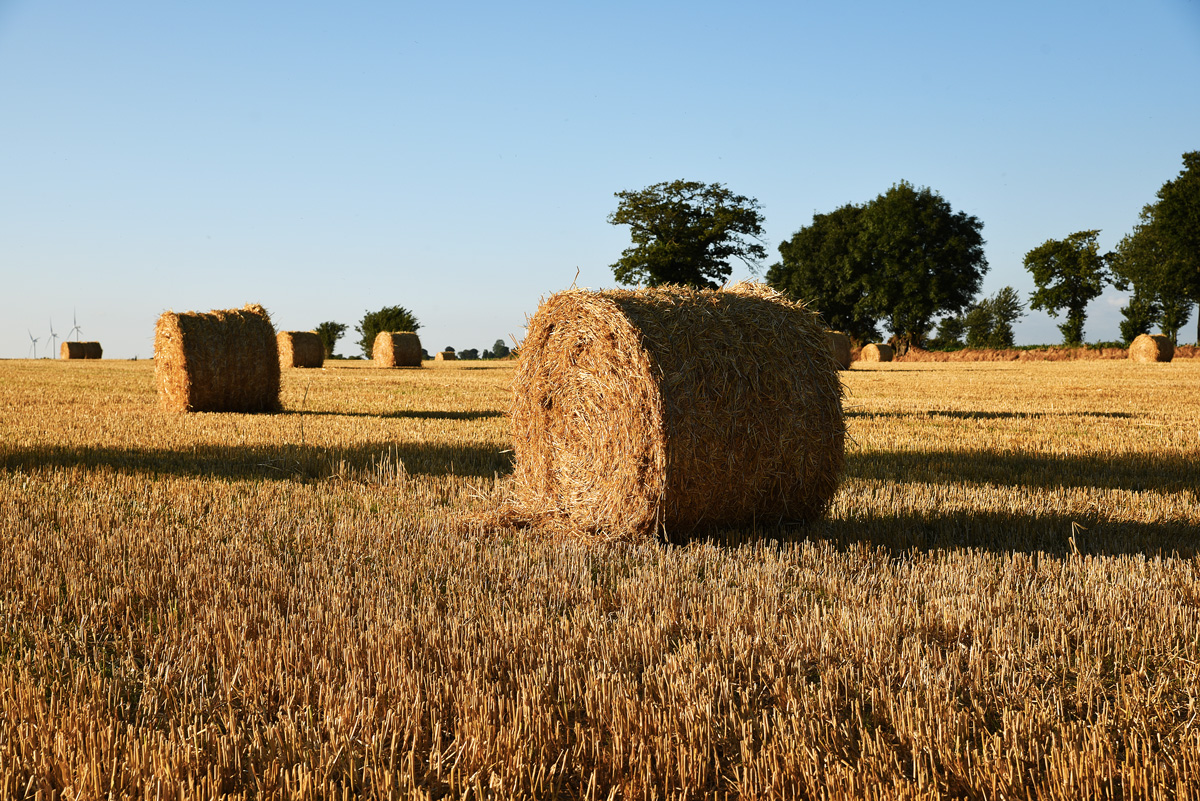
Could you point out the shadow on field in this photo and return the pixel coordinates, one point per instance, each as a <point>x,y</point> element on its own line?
<point>969,415</point>
<point>1138,472</point>
<point>280,462</point>
<point>1005,532</point>
<point>411,414</point>
<point>995,532</point>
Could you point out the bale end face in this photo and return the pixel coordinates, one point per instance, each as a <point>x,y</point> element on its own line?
<point>219,361</point>
<point>677,410</point>
<point>1151,348</point>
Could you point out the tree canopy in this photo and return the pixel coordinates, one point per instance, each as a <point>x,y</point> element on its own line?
<point>1069,274</point>
<point>902,260</point>
<point>1160,259</point>
<point>330,332</point>
<point>389,318</point>
<point>989,323</point>
<point>819,265</point>
<point>686,232</point>
<point>1158,277</point>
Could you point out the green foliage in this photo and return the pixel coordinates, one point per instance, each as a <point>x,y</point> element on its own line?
<point>924,259</point>
<point>902,259</point>
<point>499,351</point>
<point>469,354</point>
<point>686,232</point>
<point>1069,274</point>
<point>819,266</point>
<point>1141,314</point>
<point>389,318</point>
<point>989,323</point>
<point>1160,259</point>
<point>330,332</point>
<point>950,332</point>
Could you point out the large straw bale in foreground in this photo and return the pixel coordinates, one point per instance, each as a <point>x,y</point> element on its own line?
<point>300,349</point>
<point>80,350</point>
<point>396,349</point>
<point>876,353</point>
<point>219,361</point>
<point>839,344</point>
<point>677,409</point>
<point>1151,348</point>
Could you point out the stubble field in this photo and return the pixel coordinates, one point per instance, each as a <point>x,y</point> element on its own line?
<point>1004,601</point>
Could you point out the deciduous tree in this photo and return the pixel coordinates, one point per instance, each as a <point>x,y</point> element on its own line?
<point>1069,274</point>
<point>330,332</point>
<point>389,318</point>
<point>686,232</point>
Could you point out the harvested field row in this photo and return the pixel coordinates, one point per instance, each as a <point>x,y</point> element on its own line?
<point>1004,599</point>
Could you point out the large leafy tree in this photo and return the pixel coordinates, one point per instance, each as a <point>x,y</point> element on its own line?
<point>923,259</point>
<point>1161,258</point>
<point>989,323</point>
<point>389,318</point>
<point>902,259</point>
<point>1158,276</point>
<point>330,332</point>
<point>820,266</point>
<point>686,232</point>
<point>1069,274</point>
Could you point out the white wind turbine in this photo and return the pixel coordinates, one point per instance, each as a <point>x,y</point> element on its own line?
<point>76,330</point>
<point>32,345</point>
<point>53,339</point>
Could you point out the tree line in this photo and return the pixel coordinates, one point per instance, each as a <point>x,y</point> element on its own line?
<point>906,260</point>
<point>394,318</point>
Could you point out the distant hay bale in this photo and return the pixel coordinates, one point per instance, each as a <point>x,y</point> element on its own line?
<point>675,409</point>
<point>300,349</point>
<point>219,361</point>
<point>80,350</point>
<point>446,356</point>
<point>839,344</point>
<point>397,349</point>
<point>1151,348</point>
<point>876,353</point>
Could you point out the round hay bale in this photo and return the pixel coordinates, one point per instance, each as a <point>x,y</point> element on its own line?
<point>219,361</point>
<point>1151,348</point>
<point>300,349</point>
<point>674,409</point>
<point>446,356</point>
<point>839,344</point>
<point>396,349</point>
<point>876,353</point>
<point>80,350</point>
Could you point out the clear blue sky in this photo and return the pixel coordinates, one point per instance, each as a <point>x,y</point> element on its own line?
<point>460,158</point>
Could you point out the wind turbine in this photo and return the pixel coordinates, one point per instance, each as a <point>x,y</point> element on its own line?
<point>76,330</point>
<point>53,339</point>
<point>32,344</point>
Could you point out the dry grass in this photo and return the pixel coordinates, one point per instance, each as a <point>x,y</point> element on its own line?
<point>80,350</point>
<point>1004,600</point>
<point>876,353</point>
<point>671,409</point>
<point>1151,348</point>
<point>225,360</point>
<point>396,349</point>
<point>840,344</point>
<point>300,349</point>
